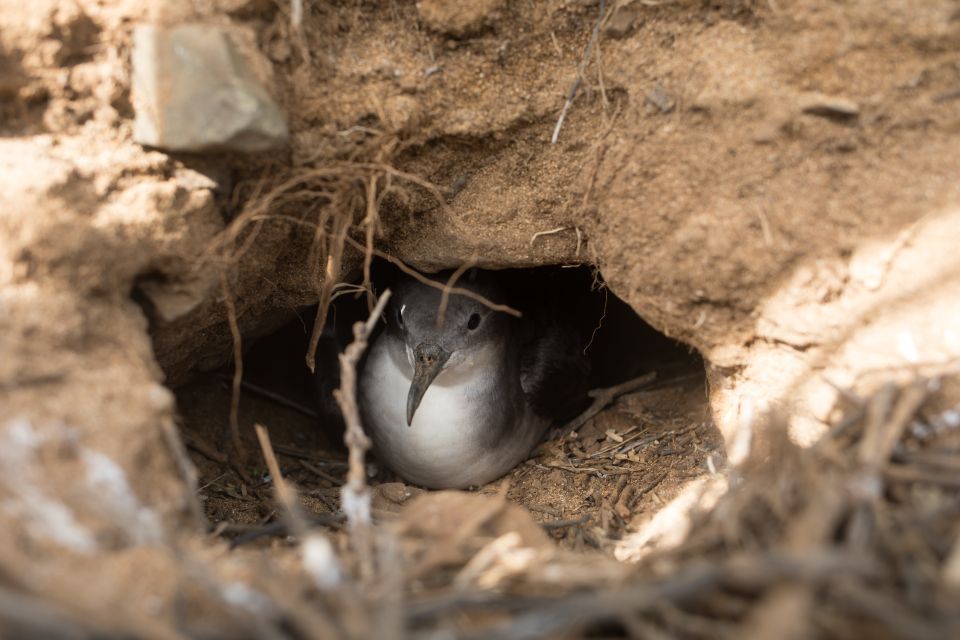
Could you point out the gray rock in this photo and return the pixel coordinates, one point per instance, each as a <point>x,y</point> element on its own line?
<point>837,107</point>
<point>658,97</point>
<point>193,91</point>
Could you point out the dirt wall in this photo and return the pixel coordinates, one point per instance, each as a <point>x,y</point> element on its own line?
<point>774,185</point>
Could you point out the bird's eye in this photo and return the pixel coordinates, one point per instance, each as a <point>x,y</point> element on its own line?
<point>473,322</point>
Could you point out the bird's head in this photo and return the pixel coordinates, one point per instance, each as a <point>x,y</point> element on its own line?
<point>468,331</point>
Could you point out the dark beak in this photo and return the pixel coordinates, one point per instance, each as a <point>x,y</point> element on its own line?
<point>428,362</point>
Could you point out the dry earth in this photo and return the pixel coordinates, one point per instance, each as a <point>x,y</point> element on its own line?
<point>774,184</point>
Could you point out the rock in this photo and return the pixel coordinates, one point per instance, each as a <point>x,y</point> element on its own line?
<point>391,496</point>
<point>836,107</point>
<point>658,97</point>
<point>401,113</point>
<point>458,18</point>
<point>193,91</point>
<point>621,23</point>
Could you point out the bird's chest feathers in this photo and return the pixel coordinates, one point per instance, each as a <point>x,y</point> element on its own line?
<point>451,429</point>
<point>455,405</point>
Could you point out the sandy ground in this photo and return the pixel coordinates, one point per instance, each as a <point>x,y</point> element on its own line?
<point>773,184</point>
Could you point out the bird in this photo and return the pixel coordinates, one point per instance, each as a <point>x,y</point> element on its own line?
<point>459,400</point>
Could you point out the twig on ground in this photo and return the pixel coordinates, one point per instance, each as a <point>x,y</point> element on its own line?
<point>893,616</point>
<point>212,482</point>
<point>314,469</point>
<point>440,554</point>
<point>294,452</point>
<point>218,457</point>
<point>355,496</point>
<point>187,471</point>
<point>785,610</point>
<point>277,398</point>
<point>630,437</point>
<point>251,533</point>
<point>596,470</point>
<point>879,440</point>
<point>286,495</point>
<point>603,397</point>
<point>204,450</point>
<point>753,571</point>
<point>900,473</point>
<point>319,558</point>
<point>870,450</point>
<point>650,486</point>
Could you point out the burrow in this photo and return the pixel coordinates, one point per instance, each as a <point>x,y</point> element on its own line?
<point>614,471</point>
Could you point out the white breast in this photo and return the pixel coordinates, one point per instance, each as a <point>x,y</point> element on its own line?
<point>444,447</point>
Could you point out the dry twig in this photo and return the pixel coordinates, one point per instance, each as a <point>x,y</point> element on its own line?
<point>318,556</point>
<point>355,496</point>
<point>754,571</point>
<point>603,397</point>
<point>286,496</point>
<point>277,398</point>
<point>416,275</point>
<point>237,365</point>
<point>187,471</point>
<point>550,232</point>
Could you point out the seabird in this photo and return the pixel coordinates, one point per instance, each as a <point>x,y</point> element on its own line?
<point>460,402</point>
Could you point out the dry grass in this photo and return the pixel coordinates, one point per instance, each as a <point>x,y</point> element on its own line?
<point>856,537</point>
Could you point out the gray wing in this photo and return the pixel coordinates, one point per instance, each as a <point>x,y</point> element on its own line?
<point>554,370</point>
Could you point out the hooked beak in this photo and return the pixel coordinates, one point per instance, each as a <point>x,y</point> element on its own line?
<point>428,363</point>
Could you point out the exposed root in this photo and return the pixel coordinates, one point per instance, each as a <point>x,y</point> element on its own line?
<point>448,287</point>
<point>229,302</point>
<point>413,273</point>
<point>540,234</point>
<point>333,200</point>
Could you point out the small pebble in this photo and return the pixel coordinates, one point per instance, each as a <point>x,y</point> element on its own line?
<point>816,104</point>
<point>658,97</point>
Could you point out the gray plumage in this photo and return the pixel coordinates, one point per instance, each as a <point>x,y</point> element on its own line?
<point>463,403</point>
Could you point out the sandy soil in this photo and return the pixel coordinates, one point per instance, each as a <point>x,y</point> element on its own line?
<point>773,184</point>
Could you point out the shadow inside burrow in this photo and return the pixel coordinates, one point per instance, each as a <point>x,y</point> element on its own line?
<point>656,437</point>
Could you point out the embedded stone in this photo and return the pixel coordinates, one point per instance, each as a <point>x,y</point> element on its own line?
<point>195,91</point>
<point>459,18</point>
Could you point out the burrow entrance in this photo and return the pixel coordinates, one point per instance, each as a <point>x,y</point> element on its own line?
<point>588,487</point>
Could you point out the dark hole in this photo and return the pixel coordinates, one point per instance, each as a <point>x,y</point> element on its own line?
<point>303,418</point>
<point>621,346</point>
